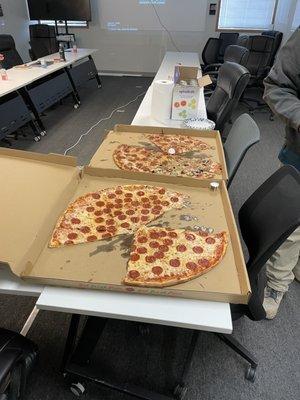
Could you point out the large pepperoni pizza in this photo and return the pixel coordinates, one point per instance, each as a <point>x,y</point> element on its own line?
<point>140,159</point>
<point>113,211</point>
<point>180,143</point>
<point>165,257</point>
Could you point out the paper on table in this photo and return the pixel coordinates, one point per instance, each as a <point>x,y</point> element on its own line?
<point>162,100</point>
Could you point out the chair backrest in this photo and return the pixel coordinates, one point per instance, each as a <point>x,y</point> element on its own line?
<point>237,54</point>
<point>231,83</point>
<point>42,40</point>
<point>226,39</point>
<point>260,55</point>
<point>243,134</point>
<point>211,51</point>
<point>277,42</point>
<point>266,220</point>
<point>243,40</point>
<point>8,49</point>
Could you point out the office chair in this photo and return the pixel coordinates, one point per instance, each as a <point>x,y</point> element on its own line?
<point>18,356</point>
<point>214,49</point>
<point>277,42</point>
<point>231,83</point>
<point>42,40</point>
<point>8,49</point>
<point>243,134</point>
<point>233,53</point>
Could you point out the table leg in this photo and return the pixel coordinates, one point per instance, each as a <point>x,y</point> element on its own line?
<point>71,340</point>
<point>28,101</point>
<point>97,77</point>
<point>75,92</point>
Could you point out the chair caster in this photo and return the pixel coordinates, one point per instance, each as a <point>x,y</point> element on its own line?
<point>43,133</point>
<point>78,389</point>
<point>37,138</point>
<point>180,392</point>
<point>250,374</point>
<point>76,106</point>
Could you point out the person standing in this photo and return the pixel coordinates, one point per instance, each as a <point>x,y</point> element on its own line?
<point>282,91</point>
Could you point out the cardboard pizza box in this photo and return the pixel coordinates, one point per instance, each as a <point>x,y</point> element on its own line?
<point>36,189</point>
<point>136,136</point>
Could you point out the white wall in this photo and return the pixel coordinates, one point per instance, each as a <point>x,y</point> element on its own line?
<point>15,22</point>
<point>141,51</point>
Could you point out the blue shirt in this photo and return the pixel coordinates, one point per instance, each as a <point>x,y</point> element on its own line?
<point>287,156</point>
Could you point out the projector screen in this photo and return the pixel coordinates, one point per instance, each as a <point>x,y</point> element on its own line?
<point>151,15</point>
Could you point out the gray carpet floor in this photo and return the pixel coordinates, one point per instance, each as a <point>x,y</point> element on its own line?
<point>155,360</point>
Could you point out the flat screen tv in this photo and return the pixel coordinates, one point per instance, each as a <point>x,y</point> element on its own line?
<point>66,10</point>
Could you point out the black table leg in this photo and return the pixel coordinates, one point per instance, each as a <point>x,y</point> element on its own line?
<point>97,77</point>
<point>71,340</point>
<point>23,92</point>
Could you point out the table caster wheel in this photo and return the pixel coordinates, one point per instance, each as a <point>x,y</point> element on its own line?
<point>250,373</point>
<point>43,133</point>
<point>77,389</point>
<point>180,392</point>
<point>76,106</point>
<point>37,138</point>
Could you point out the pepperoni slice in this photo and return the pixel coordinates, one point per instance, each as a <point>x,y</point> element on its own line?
<point>204,262</point>
<point>168,242</point>
<point>98,213</point>
<point>100,203</point>
<point>153,197</point>
<point>165,203</point>
<point>158,254</point>
<point>147,205</point>
<point>192,266</point>
<point>162,191</point>
<point>90,209</point>
<point>75,221</point>
<point>140,193</point>
<point>134,219</point>
<point>130,212</point>
<point>142,239</point>
<point>122,217</point>
<point>111,229</point>
<point>96,196</point>
<point>135,204</point>
<point>175,199</point>
<point>111,195</point>
<point>128,199</point>
<point>210,240</point>
<point>157,270</point>
<point>99,220</point>
<point>145,199</point>
<point>72,236</point>
<point>134,274</point>
<point>163,248</point>
<point>125,225</point>
<point>144,218</point>
<point>145,211</point>
<point>174,262</point>
<point>198,249</point>
<point>118,191</point>
<point>150,259</point>
<point>106,235</point>
<point>118,212</point>
<point>154,235</point>
<point>162,234</point>
<point>141,250</point>
<point>101,228</point>
<point>119,200</point>
<point>190,236</point>
<point>181,248</point>
<point>134,257</point>
<point>85,229</point>
<point>91,238</point>
<point>68,242</point>
<point>154,245</point>
<point>172,234</point>
<point>128,194</point>
<point>110,222</point>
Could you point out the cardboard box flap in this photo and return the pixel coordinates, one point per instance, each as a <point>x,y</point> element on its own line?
<point>34,188</point>
<point>204,81</point>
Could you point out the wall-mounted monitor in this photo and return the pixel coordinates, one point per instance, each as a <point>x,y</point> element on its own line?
<point>66,10</point>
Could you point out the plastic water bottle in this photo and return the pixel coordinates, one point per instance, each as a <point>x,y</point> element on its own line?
<point>62,55</point>
<point>74,47</point>
<point>3,74</point>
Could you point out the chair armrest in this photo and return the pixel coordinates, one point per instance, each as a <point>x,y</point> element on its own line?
<point>212,67</point>
<point>8,359</point>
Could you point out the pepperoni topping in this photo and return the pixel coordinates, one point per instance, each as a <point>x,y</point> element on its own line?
<point>154,235</point>
<point>110,222</point>
<point>145,211</point>
<point>163,248</point>
<point>155,211</point>
<point>181,248</point>
<point>72,236</point>
<point>95,196</point>
<point>153,197</point>
<point>150,259</point>
<point>125,225</point>
<point>100,203</point>
<point>85,229</point>
<point>162,233</point>
<point>135,203</point>
<point>134,219</point>
<point>90,209</point>
<point>192,266</point>
<point>91,238</point>
<point>203,262</point>
<point>106,210</point>
<point>133,274</point>
<point>153,245</point>
<point>128,194</point>
<point>142,239</point>
<point>68,242</point>
<point>112,229</point>
<point>118,191</point>
<point>147,205</point>
<point>158,254</point>
<point>101,228</point>
<point>144,218</point>
<point>141,193</point>
<point>111,195</point>
<point>106,235</point>
<point>172,234</point>
<point>210,240</point>
<point>174,199</point>
<point>157,270</point>
<point>99,220</point>
<point>119,201</point>
<point>168,242</point>
<point>198,249</point>
<point>141,250</point>
<point>118,212</point>
<point>122,217</point>
<point>130,212</point>
<point>98,213</point>
<point>162,191</point>
<point>190,236</point>
<point>75,221</point>
<point>174,262</point>
<point>128,199</point>
<point>165,203</point>
<point>134,257</point>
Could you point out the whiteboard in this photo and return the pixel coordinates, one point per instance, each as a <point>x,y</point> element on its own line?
<point>153,15</point>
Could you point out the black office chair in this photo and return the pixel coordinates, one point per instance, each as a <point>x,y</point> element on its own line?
<point>277,42</point>
<point>8,49</point>
<point>231,83</point>
<point>243,134</point>
<point>214,49</point>
<point>42,41</point>
<point>18,356</point>
<point>233,53</point>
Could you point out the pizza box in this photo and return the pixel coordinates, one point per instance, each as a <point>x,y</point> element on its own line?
<point>136,136</point>
<point>36,189</point>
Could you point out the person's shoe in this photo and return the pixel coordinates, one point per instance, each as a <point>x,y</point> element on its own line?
<point>272,301</point>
